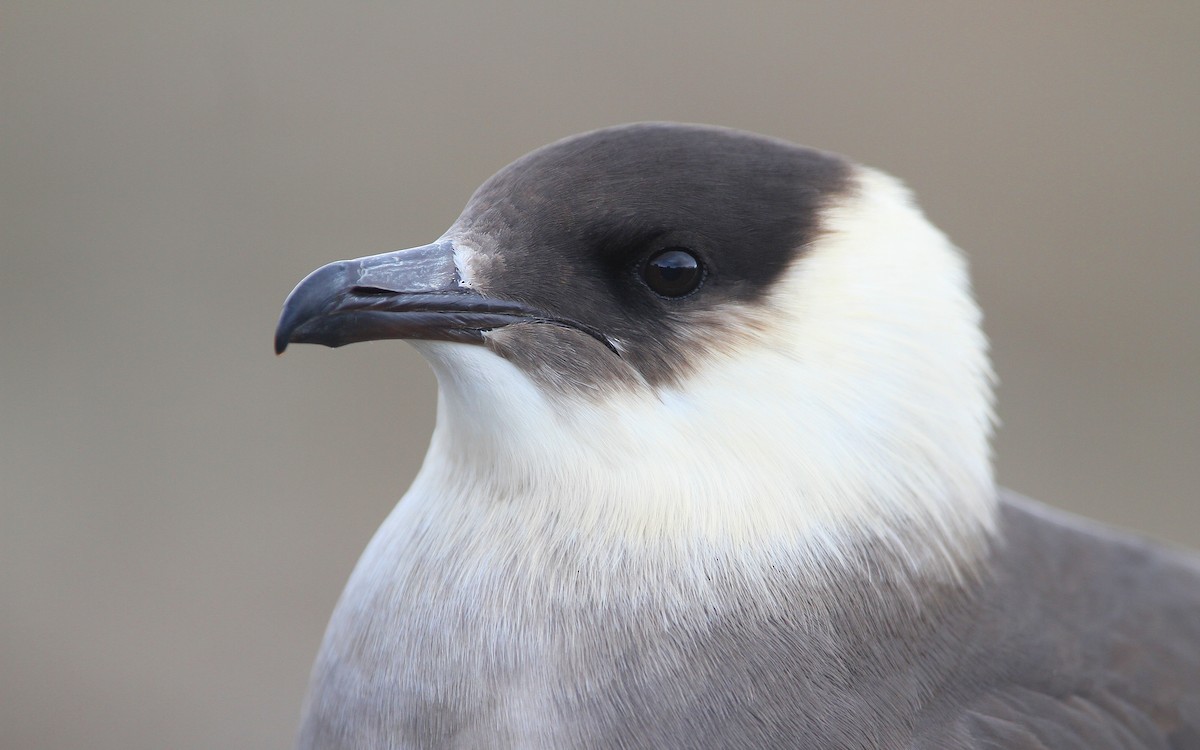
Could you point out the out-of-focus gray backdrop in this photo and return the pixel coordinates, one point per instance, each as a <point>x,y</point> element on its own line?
<point>179,508</point>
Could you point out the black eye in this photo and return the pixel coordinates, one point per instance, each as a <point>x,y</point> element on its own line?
<point>673,272</point>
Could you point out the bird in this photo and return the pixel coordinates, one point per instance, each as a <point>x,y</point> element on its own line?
<point>711,468</point>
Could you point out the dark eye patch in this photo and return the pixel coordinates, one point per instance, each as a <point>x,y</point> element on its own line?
<point>586,230</point>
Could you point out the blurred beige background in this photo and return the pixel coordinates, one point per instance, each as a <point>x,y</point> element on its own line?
<point>180,508</point>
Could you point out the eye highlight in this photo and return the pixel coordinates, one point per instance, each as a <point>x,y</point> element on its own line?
<point>673,272</point>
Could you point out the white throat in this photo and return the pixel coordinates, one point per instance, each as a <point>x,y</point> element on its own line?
<point>858,404</point>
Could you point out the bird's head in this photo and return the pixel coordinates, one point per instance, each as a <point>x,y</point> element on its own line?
<point>694,323</point>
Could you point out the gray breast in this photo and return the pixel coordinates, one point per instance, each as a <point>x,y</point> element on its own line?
<point>1069,640</point>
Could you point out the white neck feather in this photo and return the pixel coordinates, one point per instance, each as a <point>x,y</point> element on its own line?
<point>860,405</point>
